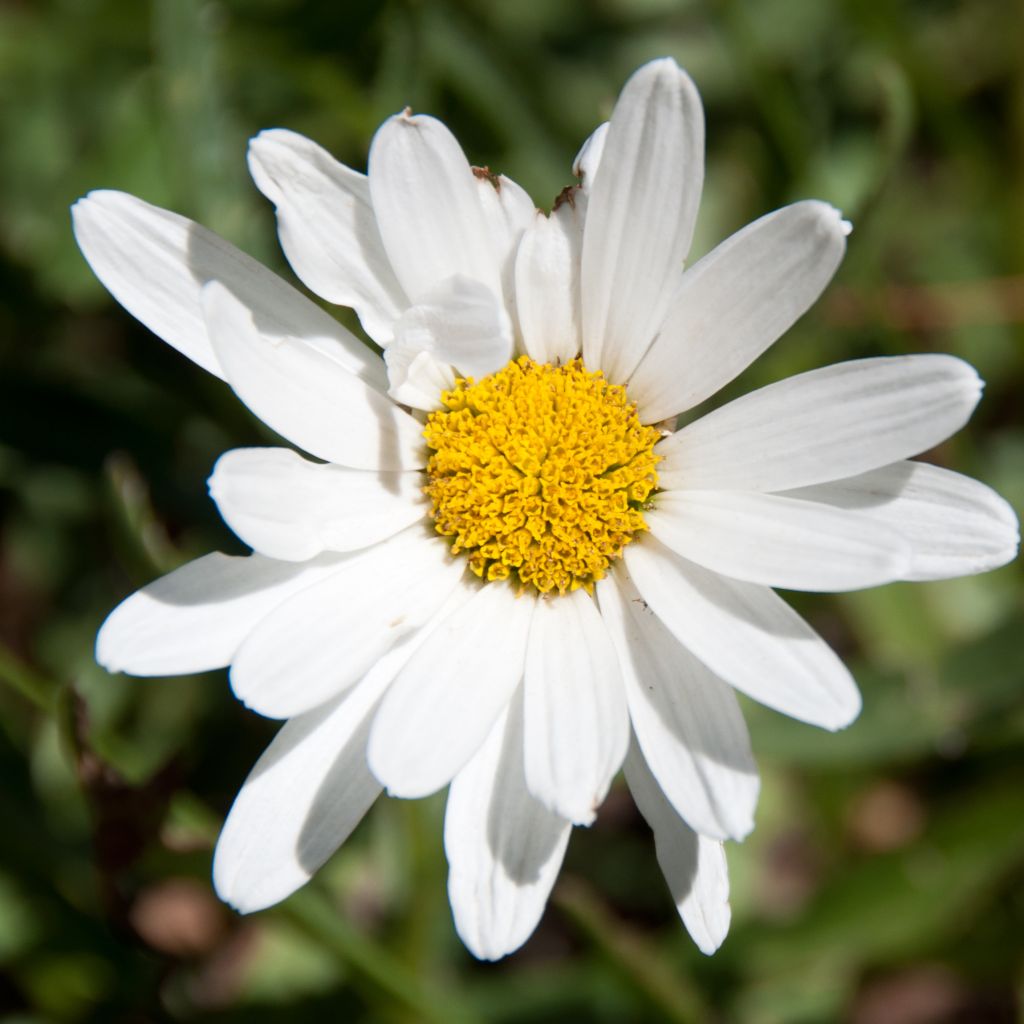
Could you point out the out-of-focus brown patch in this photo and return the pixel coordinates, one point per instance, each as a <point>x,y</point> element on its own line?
<point>364,898</point>
<point>789,875</point>
<point>923,994</point>
<point>217,981</point>
<point>618,811</point>
<point>179,917</point>
<point>126,818</point>
<point>933,306</point>
<point>886,816</point>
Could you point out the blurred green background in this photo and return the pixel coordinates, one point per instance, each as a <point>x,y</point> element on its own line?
<point>883,882</point>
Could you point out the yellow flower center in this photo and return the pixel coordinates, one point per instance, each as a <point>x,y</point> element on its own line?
<point>540,473</point>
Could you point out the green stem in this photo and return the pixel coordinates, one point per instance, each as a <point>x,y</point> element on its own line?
<point>371,964</point>
<point>42,692</point>
<point>630,954</point>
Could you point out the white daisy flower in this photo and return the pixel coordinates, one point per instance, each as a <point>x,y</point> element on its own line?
<point>497,570</point>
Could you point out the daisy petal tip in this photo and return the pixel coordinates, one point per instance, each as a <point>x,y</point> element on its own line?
<point>711,942</point>
<point>268,136</point>
<point>663,67</point>
<point>213,296</point>
<point>582,814</point>
<point>389,768</point>
<point>106,651</point>
<point>487,944</point>
<point>229,890</point>
<point>830,218</point>
<point>664,73</point>
<point>742,823</point>
<point>264,703</point>
<point>845,714</point>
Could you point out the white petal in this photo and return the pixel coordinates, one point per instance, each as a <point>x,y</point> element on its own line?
<point>576,719</point>
<point>321,641</point>
<point>778,540</point>
<point>955,526</point>
<point>504,848</point>
<point>155,263</point>
<point>641,214</point>
<point>736,301</point>
<point>286,507</point>
<point>746,634</point>
<point>427,202</point>
<point>460,323</point>
<point>306,397</point>
<point>819,426</point>
<point>508,211</point>
<point>548,282</point>
<point>588,159</point>
<point>327,228</point>
<point>693,865</point>
<point>417,378</point>
<point>442,706</point>
<point>195,618</point>
<point>301,801</point>
<point>687,721</point>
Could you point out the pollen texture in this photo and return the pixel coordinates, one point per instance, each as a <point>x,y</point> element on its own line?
<point>540,474</point>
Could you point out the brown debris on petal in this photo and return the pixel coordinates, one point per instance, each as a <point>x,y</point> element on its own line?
<point>486,174</point>
<point>567,195</point>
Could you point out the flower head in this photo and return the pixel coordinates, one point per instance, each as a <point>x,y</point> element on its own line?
<point>506,570</point>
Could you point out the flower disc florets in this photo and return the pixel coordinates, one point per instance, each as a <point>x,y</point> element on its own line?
<point>541,473</point>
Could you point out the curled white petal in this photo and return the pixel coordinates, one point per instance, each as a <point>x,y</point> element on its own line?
<point>327,227</point>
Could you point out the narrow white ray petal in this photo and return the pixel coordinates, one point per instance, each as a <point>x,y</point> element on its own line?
<point>307,397</point>
<point>687,721</point>
<point>780,541</point>
<point>734,303</point>
<point>955,526</point>
<point>310,648</point>
<point>195,618</point>
<point>327,228</point>
<point>417,378</point>
<point>301,801</point>
<point>576,719</point>
<point>548,282</point>
<point>508,212</point>
<point>747,635</point>
<point>155,263</point>
<point>693,865</point>
<point>640,219</point>
<point>823,425</point>
<point>286,507</point>
<point>504,848</point>
<point>445,701</point>
<point>588,159</point>
<point>427,202</point>
<point>460,323</point>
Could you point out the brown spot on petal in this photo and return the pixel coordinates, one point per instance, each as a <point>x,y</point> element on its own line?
<point>567,195</point>
<point>486,174</point>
